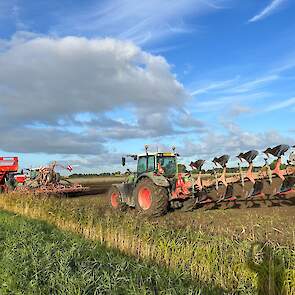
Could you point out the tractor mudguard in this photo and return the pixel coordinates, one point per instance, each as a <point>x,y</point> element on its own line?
<point>126,191</point>
<point>158,180</point>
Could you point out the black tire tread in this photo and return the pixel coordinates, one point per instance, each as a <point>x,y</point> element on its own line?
<point>160,202</point>
<point>122,206</point>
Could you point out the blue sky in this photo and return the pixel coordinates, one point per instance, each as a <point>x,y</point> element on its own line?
<point>86,81</point>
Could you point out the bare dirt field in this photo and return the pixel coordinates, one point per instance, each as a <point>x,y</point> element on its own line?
<point>98,185</point>
<point>258,221</point>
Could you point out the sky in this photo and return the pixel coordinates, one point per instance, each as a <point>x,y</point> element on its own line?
<point>85,82</point>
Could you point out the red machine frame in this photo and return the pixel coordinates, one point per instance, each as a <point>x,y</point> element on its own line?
<point>7,165</point>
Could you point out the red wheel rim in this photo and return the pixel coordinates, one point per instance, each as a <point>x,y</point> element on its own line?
<point>145,198</point>
<point>115,200</point>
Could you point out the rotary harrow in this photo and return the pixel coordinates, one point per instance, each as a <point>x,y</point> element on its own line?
<point>39,181</point>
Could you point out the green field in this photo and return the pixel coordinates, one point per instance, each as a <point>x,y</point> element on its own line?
<point>247,251</point>
<point>38,258</point>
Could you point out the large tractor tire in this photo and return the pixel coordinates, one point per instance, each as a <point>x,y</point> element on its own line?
<point>114,197</point>
<point>150,199</point>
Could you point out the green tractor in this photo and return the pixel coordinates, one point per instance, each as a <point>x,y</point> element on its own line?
<point>156,186</point>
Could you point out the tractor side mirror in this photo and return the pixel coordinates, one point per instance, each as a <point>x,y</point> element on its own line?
<point>123,161</point>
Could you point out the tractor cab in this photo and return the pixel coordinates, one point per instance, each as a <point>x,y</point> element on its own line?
<point>164,164</point>
<point>160,163</point>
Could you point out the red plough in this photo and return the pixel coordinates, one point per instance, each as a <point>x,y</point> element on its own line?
<point>267,185</point>
<point>158,174</point>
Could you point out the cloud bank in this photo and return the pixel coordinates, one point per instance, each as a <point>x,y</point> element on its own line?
<point>64,90</point>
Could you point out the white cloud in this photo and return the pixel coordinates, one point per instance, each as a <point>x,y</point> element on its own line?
<point>213,86</point>
<point>270,9</point>
<point>232,93</point>
<point>254,84</point>
<point>50,141</point>
<point>238,109</point>
<point>225,102</point>
<point>233,141</point>
<point>45,81</point>
<point>70,75</point>
<point>281,105</point>
<point>142,21</point>
<point>287,64</point>
<point>234,86</point>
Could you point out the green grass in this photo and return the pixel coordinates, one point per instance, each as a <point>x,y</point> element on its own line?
<point>37,258</point>
<point>244,263</point>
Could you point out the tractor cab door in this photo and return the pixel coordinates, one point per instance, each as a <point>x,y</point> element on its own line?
<point>145,164</point>
<point>168,164</point>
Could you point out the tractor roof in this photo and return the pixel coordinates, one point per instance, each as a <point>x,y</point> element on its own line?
<point>169,154</point>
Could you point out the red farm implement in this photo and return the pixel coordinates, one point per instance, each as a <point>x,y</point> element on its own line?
<point>158,185</point>
<point>46,181</point>
<point>8,167</point>
<point>43,180</point>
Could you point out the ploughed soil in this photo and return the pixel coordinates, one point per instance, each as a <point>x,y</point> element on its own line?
<point>252,221</point>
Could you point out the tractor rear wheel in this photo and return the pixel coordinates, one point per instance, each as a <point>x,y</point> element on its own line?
<point>114,197</point>
<point>151,199</point>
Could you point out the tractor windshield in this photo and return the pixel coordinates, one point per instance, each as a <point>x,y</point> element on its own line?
<point>145,164</point>
<point>168,164</point>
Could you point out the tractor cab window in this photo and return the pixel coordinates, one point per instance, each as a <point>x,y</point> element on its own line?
<point>168,164</point>
<point>145,164</point>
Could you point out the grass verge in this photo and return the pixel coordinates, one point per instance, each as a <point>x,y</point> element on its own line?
<point>38,258</point>
<point>235,265</point>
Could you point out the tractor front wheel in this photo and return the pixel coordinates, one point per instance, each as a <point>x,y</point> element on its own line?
<point>151,199</point>
<point>114,197</point>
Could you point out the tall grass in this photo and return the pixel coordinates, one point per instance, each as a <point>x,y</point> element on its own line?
<point>37,258</point>
<point>232,264</point>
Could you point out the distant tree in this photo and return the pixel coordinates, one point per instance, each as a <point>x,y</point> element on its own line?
<point>117,173</point>
<point>104,174</point>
